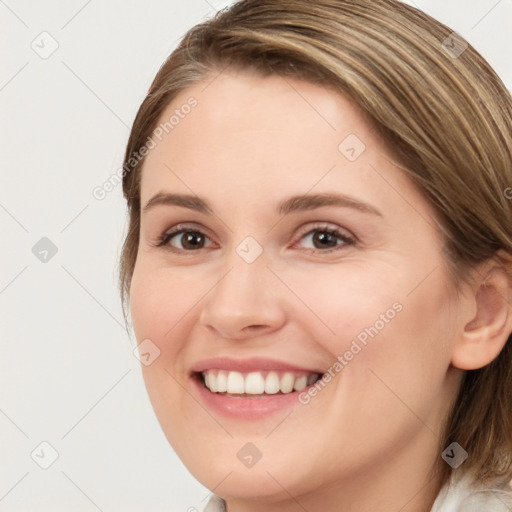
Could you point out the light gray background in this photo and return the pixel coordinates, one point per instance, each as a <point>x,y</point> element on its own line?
<point>68,374</point>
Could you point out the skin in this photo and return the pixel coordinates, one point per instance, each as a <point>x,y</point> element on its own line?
<point>368,440</point>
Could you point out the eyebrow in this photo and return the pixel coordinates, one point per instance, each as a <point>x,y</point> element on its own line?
<point>292,204</point>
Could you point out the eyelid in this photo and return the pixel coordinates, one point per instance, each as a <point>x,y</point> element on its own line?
<point>325,226</point>
<point>347,237</point>
<point>163,238</point>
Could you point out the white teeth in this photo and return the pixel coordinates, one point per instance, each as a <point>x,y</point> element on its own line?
<point>287,381</point>
<point>222,381</point>
<point>272,383</point>
<point>212,383</point>
<point>300,383</point>
<point>235,383</point>
<point>255,383</point>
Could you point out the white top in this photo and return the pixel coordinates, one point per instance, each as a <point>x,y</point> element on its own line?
<point>458,495</point>
<point>215,504</point>
<point>462,495</point>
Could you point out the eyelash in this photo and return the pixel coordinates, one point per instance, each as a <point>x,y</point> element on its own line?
<point>165,237</point>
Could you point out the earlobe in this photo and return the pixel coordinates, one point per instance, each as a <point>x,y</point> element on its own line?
<point>490,320</point>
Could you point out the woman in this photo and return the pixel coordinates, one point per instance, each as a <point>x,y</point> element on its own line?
<point>318,258</point>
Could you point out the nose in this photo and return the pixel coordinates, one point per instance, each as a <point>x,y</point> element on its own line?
<point>246,302</point>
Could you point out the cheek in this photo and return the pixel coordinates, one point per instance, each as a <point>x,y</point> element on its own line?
<point>404,364</point>
<point>395,352</point>
<point>347,304</point>
<point>160,302</point>
<point>160,309</point>
<point>394,341</point>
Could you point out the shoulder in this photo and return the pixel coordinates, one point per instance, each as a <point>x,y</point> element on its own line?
<point>460,494</point>
<point>463,494</point>
<point>215,504</point>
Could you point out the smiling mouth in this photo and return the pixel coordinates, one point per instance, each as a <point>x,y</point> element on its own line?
<point>256,383</point>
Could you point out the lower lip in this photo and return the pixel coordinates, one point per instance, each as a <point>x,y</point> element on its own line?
<point>250,407</point>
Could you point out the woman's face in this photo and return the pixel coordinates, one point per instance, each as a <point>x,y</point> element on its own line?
<point>261,291</point>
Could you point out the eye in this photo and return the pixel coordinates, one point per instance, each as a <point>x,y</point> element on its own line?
<point>190,239</point>
<point>327,239</point>
<point>183,238</point>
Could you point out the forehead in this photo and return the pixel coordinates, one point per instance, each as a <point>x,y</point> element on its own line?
<point>241,100</point>
<point>244,113</point>
<point>243,137</point>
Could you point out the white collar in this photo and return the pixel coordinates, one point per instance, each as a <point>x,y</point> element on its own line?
<point>459,494</point>
<point>462,494</point>
<point>215,504</point>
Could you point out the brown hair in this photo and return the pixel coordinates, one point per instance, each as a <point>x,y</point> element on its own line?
<point>443,111</point>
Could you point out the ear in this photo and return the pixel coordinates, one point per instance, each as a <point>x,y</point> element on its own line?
<point>487,318</point>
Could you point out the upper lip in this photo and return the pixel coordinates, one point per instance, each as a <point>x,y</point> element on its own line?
<point>247,365</point>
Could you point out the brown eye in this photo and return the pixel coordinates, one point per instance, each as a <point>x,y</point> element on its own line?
<point>326,239</point>
<point>189,240</point>
<point>192,240</point>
